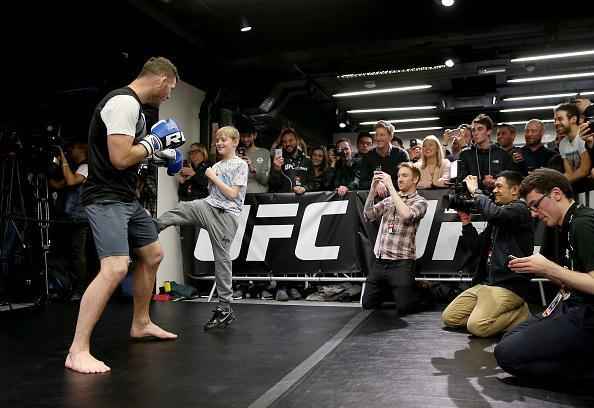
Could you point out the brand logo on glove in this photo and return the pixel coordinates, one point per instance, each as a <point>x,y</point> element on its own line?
<point>177,137</point>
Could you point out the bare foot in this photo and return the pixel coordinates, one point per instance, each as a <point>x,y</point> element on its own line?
<point>83,362</point>
<point>151,331</point>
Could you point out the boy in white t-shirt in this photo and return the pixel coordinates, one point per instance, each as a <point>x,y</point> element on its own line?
<point>219,215</point>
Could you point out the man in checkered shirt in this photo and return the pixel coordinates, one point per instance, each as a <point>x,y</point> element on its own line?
<point>395,252</point>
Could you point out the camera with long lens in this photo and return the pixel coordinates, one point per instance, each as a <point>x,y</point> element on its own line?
<point>460,199</point>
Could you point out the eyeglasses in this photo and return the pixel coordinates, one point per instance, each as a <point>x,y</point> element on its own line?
<point>534,206</point>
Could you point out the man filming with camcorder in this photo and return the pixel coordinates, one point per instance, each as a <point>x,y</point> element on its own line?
<point>496,301</point>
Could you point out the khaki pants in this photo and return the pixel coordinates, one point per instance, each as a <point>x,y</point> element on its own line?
<point>486,310</point>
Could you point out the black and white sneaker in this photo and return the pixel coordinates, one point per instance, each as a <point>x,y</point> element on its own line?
<point>221,318</point>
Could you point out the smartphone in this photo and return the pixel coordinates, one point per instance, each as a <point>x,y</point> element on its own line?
<point>185,163</point>
<point>278,153</point>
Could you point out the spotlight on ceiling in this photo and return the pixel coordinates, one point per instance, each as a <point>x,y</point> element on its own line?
<point>449,63</point>
<point>342,125</point>
<point>447,3</point>
<point>245,26</point>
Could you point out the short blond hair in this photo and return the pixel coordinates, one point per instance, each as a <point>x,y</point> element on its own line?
<point>228,131</point>
<point>386,125</point>
<point>159,66</point>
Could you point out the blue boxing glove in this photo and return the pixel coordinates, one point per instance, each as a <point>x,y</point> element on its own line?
<point>164,134</point>
<point>170,158</point>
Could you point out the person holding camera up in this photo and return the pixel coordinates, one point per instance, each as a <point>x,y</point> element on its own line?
<point>496,301</point>
<point>395,251</point>
<point>483,160</point>
<point>118,143</point>
<point>291,169</point>
<point>77,230</point>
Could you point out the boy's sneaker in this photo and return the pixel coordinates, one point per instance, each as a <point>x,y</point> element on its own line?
<point>221,318</point>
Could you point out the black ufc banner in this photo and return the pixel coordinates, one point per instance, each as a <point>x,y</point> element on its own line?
<point>321,232</point>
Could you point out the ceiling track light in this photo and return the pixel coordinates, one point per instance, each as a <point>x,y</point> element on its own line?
<point>381,91</point>
<point>554,56</point>
<point>245,26</point>
<point>527,109</point>
<point>402,120</point>
<point>403,108</point>
<point>551,77</point>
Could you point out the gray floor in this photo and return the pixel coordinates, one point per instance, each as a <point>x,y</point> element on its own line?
<point>412,362</point>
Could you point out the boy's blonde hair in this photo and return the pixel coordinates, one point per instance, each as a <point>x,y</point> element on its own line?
<point>228,131</point>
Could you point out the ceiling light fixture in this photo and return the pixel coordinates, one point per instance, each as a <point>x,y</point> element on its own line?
<point>447,3</point>
<point>403,108</point>
<point>381,91</point>
<point>527,109</point>
<point>449,63</point>
<point>391,72</point>
<point>421,129</point>
<point>529,98</point>
<point>245,26</point>
<point>491,70</point>
<point>523,122</point>
<point>402,120</point>
<point>554,56</point>
<point>551,77</point>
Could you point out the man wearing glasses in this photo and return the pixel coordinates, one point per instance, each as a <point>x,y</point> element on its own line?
<point>556,345</point>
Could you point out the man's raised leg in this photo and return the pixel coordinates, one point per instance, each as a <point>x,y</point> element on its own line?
<point>113,270</point>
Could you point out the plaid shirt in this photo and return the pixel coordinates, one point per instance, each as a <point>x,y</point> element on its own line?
<point>396,236</point>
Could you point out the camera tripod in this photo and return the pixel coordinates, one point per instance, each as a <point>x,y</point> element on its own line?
<point>15,226</point>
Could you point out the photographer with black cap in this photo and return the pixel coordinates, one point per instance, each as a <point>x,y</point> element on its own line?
<point>496,302</point>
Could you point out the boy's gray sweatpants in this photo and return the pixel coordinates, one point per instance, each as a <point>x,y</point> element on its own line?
<point>221,227</point>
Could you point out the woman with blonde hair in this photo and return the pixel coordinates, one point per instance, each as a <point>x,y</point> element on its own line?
<point>435,169</point>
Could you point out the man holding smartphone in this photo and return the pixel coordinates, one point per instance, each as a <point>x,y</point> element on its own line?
<point>291,169</point>
<point>496,302</point>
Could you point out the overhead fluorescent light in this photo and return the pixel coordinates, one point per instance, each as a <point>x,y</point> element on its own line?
<point>523,122</point>
<point>491,70</point>
<point>381,91</point>
<point>403,108</point>
<point>402,120</point>
<point>527,109</point>
<point>554,56</point>
<point>551,77</point>
<point>551,96</point>
<point>418,129</point>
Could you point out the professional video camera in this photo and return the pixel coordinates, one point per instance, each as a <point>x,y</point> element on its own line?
<point>458,198</point>
<point>43,154</point>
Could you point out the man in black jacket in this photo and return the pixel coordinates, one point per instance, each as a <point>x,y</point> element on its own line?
<point>384,157</point>
<point>290,170</point>
<point>496,302</point>
<point>483,159</point>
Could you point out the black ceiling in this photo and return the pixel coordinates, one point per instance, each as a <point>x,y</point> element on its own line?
<point>299,46</point>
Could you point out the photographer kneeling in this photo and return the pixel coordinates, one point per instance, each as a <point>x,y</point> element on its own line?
<point>496,301</point>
